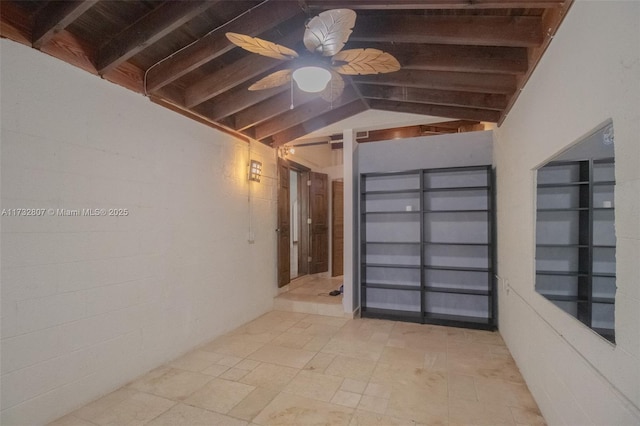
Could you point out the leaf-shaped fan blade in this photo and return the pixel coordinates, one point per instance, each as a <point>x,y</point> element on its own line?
<point>334,88</point>
<point>261,47</point>
<point>328,32</point>
<point>275,79</point>
<point>365,61</point>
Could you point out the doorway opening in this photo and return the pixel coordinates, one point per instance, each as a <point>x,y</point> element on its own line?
<point>303,218</point>
<point>299,235</point>
<point>308,282</point>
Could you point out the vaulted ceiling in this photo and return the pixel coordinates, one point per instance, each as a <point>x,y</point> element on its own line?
<point>462,59</point>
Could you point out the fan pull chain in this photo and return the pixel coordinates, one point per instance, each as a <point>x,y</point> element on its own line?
<point>291,106</point>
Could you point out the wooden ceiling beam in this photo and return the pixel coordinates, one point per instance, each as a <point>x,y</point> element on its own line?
<point>302,113</point>
<point>432,4</point>
<point>448,57</point>
<point>551,20</point>
<point>55,17</point>
<point>152,27</point>
<point>272,107</point>
<point>436,110</point>
<point>69,48</point>
<point>256,21</point>
<point>433,129</point>
<point>489,59</point>
<point>437,97</point>
<point>440,80</point>
<point>15,23</point>
<point>316,123</point>
<point>227,78</point>
<point>127,75</point>
<point>453,125</point>
<point>236,100</point>
<point>516,31</point>
<point>240,71</point>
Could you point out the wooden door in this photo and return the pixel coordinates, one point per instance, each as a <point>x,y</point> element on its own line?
<point>337,228</point>
<point>303,242</point>
<point>319,214</point>
<point>284,227</point>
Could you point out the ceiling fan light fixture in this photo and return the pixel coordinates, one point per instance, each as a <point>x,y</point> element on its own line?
<point>311,79</point>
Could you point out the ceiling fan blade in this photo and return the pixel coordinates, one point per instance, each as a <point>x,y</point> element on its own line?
<point>328,32</point>
<point>261,47</point>
<point>364,61</point>
<point>275,79</point>
<point>334,88</point>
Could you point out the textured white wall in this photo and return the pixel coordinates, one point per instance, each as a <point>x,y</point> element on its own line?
<point>590,73</point>
<point>452,150</point>
<point>89,303</point>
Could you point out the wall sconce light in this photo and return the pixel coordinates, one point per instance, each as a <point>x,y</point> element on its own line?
<point>255,170</point>
<point>286,150</point>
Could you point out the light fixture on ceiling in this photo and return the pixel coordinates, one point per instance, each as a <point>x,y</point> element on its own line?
<point>255,170</point>
<point>311,79</point>
<point>325,36</point>
<point>286,150</point>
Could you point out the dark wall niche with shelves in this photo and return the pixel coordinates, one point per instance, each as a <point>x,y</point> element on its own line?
<point>427,246</point>
<point>575,232</point>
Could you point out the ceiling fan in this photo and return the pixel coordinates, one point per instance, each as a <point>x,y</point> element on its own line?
<point>324,37</point>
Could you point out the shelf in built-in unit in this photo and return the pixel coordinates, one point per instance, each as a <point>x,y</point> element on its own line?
<point>604,182</point>
<point>391,265</point>
<point>561,185</point>
<point>393,191</point>
<point>604,274</point>
<point>410,316</point>
<point>569,209</point>
<point>457,188</point>
<point>453,319</point>
<point>604,300</point>
<point>392,286</point>
<point>563,273</point>
<point>604,246</point>
<point>454,244</point>
<point>603,208</point>
<point>457,291</point>
<point>455,268</point>
<point>392,242</point>
<point>563,297</point>
<point>392,212</point>
<point>457,211</point>
<point>607,333</point>
<point>563,245</point>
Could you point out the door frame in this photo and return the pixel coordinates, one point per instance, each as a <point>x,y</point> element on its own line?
<point>303,241</point>
<point>337,231</point>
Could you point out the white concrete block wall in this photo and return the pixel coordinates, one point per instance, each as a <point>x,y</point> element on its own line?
<point>590,73</point>
<point>425,152</point>
<point>89,303</point>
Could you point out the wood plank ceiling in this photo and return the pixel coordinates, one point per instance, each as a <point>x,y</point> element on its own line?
<point>462,59</point>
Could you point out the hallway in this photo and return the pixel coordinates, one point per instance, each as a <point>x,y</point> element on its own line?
<point>300,369</point>
<point>309,294</point>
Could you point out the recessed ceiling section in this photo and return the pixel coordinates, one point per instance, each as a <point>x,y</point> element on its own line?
<point>459,59</point>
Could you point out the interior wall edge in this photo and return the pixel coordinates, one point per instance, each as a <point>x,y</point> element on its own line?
<point>585,78</point>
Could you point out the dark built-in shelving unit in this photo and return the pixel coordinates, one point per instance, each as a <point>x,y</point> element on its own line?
<point>427,252</point>
<point>575,240</point>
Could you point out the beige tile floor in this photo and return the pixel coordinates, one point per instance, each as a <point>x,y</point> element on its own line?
<point>288,368</point>
<point>314,288</point>
<point>310,294</point>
